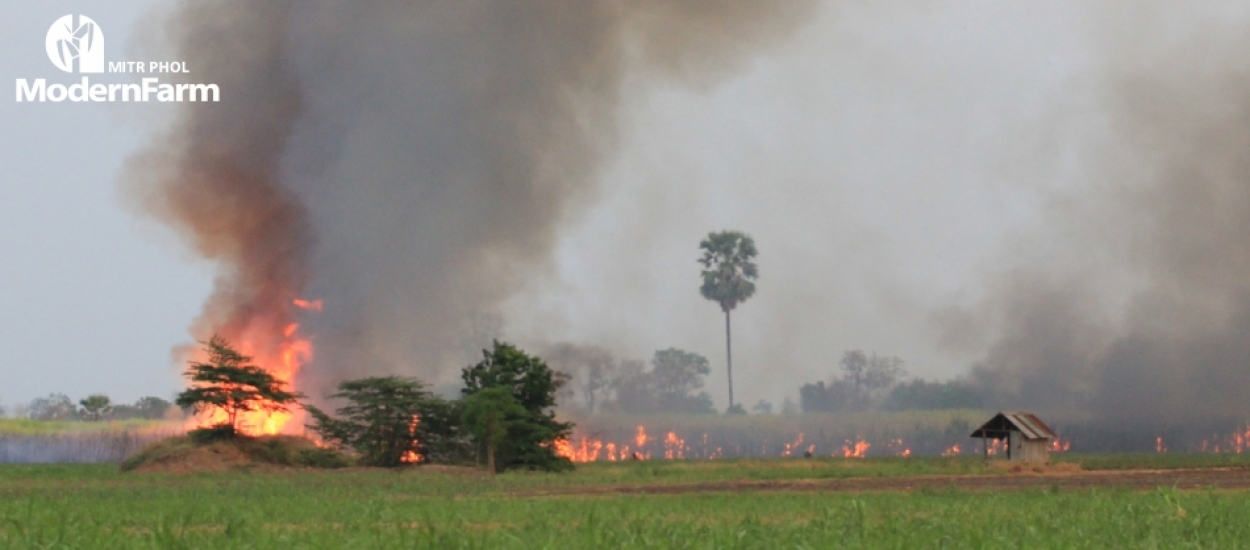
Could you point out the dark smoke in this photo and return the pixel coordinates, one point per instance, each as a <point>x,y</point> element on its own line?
<point>409,163</point>
<point>1144,311</point>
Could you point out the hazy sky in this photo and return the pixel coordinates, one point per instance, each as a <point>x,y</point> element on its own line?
<point>886,158</point>
<point>91,296</point>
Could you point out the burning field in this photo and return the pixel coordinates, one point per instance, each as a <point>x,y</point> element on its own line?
<point>386,190</point>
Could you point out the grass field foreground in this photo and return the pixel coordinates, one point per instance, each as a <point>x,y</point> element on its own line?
<point>80,506</point>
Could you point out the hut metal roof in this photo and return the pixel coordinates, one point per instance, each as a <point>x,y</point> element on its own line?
<point>1028,424</point>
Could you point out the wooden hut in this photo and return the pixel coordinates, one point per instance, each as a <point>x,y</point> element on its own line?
<point>1027,437</point>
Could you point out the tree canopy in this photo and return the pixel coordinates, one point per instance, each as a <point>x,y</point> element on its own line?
<point>95,407</point>
<point>531,438</point>
<point>227,382</point>
<point>729,268</point>
<point>488,414</point>
<point>669,386</point>
<point>388,420</point>
<point>863,380</point>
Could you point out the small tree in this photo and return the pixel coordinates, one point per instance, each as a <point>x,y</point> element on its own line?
<point>388,420</point>
<point>95,407</point>
<point>531,438</point>
<point>668,387</point>
<point>152,407</point>
<point>675,375</point>
<point>763,407</point>
<point>55,406</point>
<point>488,414</point>
<point>227,383</point>
<point>728,279</point>
<point>591,368</point>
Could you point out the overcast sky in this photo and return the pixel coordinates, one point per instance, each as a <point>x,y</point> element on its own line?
<point>885,159</point>
<point>92,297</point>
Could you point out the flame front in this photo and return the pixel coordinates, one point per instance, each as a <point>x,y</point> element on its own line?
<point>856,449</point>
<point>278,347</point>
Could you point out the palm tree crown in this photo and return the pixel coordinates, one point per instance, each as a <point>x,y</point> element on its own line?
<point>729,279</point>
<point>730,270</point>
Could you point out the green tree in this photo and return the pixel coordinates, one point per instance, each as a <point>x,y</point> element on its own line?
<point>95,407</point>
<point>488,414</point>
<point>152,407</point>
<point>531,436</point>
<point>591,368</point>
<point>728,279</point>
<point>385,420</point>
<point>55,406</point>
<point>226,382</point>
<point>675,375</point>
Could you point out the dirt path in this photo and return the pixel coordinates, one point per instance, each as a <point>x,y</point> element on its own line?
<point>1234,478</point>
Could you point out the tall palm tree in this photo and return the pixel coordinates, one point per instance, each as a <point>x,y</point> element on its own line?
<point>728,279</point>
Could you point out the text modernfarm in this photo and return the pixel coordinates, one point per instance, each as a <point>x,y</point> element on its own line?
<point>40,90</point>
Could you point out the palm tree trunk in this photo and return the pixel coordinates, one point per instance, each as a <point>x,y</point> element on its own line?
<point>729,359</point>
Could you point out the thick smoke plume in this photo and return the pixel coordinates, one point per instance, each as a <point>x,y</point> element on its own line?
<point>408,163</point>
<point>1143,309</point>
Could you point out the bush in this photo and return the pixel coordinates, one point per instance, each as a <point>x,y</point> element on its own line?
<point>211,434</point>
<point>389,421</point>
<point>531,437</point>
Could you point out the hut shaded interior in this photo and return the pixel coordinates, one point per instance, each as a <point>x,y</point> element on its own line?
<point>1028,438</point>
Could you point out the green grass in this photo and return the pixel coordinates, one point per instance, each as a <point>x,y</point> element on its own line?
<point>96,506</point>
<point>703,471</point>
<point>1154,461</point>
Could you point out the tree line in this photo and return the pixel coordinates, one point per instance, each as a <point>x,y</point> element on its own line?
<point>505,415</point>
<point>868,381</point>
<point>93,408</point>
<point>670,383</point>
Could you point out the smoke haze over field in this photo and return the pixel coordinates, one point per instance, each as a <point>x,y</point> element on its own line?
<point>1144,308</point>
<point>1058,192</point>
<point>407,163</point>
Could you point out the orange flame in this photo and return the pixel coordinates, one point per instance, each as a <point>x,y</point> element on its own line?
<point>953,450</point>
<point>280,350</point>
<point>1060,446</point>
<point>855,449</point>
<point>641,438</point>
<point>412,456</point>
<point>898,448</point>
<point>674,447</point>
<point>1234,443</point>
<point>790,447</point>
<point>314,305</point>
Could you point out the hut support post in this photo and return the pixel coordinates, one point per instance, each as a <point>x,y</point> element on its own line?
<point>985,445</point>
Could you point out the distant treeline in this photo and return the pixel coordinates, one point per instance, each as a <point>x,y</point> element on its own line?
<point>95,407</point>
<point>867,382</point>
<point>672,381</point>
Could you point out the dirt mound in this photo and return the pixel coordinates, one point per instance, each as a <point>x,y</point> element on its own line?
<point>182,455</point>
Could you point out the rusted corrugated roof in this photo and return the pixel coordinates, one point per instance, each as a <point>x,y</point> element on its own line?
<point>1028,424</point>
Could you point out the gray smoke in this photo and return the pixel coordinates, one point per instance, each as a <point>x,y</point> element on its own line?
<point>409,163</point>
<point>1142,309</point>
